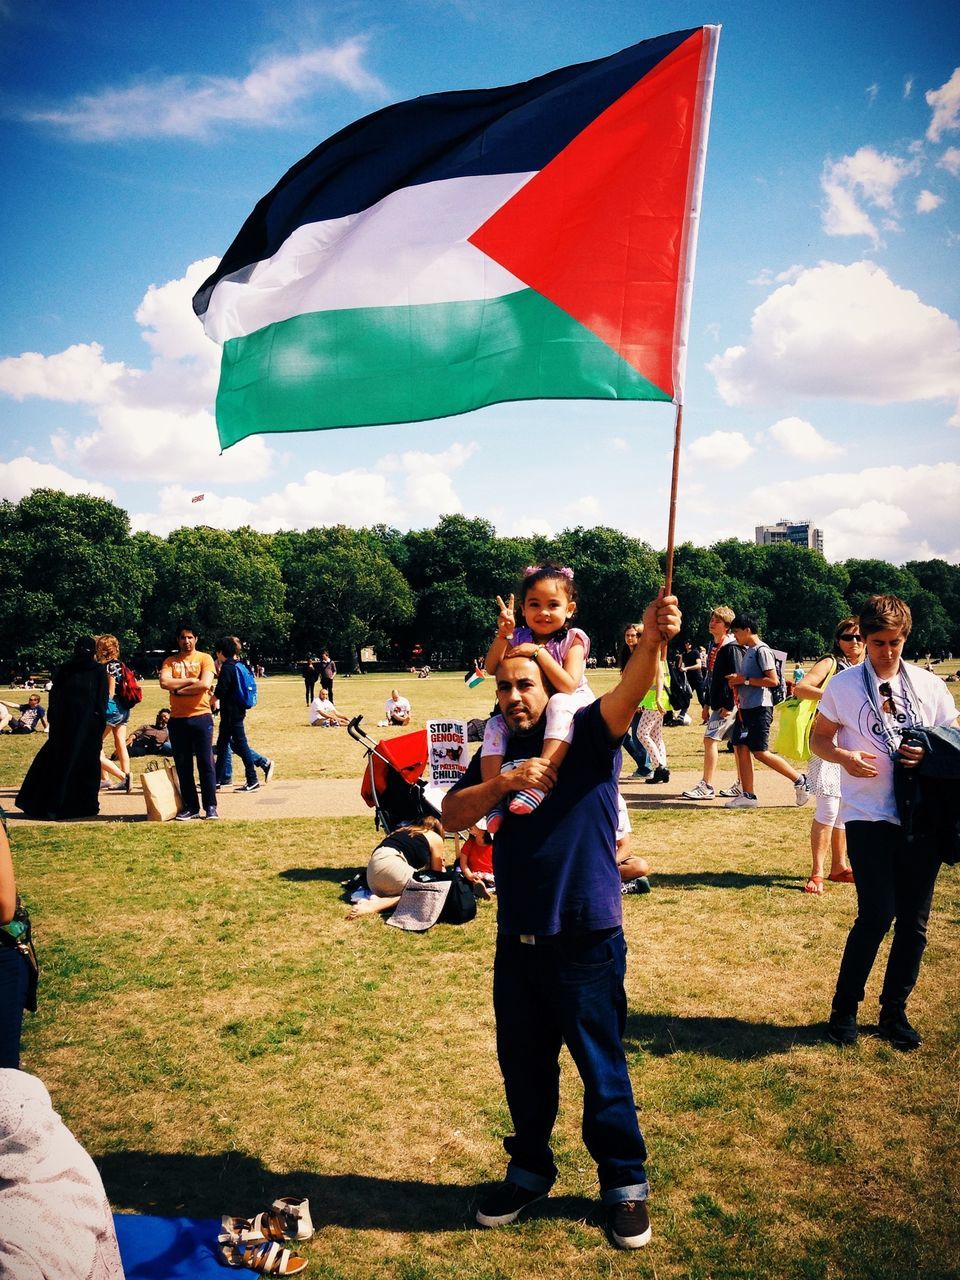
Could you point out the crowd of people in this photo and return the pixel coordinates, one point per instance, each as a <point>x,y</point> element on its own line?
<point>549,830</point>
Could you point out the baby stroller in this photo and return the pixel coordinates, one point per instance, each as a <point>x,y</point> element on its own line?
<point>392,784</point>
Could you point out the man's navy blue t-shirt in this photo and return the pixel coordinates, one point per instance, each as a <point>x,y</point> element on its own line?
<point>556,868</point>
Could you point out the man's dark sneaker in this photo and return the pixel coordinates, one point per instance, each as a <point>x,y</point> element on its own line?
<point>895,1029</point>
<point>187,815</point>
<point>269,769</point>
<point>630,1224</point>
<point>504,1203</point>
<point>249,786</point>
<point>211,814</point>
<point>842,1029</point>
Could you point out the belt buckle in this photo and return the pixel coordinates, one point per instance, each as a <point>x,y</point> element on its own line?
<point>529,939</point>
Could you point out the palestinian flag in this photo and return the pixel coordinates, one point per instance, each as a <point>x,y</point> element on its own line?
<point>530,242</point>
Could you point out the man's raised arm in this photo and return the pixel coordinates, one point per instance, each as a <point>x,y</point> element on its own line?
<point>661,622</point>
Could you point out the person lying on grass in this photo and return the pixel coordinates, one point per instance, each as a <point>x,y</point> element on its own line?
<point>394,861</point>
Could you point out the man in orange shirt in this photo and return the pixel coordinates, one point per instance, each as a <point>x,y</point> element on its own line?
<point>188,677</point>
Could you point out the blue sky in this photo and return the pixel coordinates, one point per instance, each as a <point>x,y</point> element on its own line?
<point>823,378</point>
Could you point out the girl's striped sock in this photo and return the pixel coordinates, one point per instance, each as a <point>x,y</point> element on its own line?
<point>494,820</point>
<point>527,801</point>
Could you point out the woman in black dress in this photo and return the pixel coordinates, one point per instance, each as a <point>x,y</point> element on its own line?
<point>64,779</point>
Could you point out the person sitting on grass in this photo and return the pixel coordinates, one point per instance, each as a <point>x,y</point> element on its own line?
<point>397,708</point>
<point>151,739</point>
<point>394,861</point>
<point>634,870</point>
<point>324,715</point>
<point>31,718</point>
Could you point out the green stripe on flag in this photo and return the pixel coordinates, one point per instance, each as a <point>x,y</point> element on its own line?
<point>372,365</point>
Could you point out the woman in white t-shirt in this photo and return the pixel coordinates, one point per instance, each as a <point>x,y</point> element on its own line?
<point>863,715</point>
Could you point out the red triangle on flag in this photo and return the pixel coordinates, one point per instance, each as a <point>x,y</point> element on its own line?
<point>600,230</point>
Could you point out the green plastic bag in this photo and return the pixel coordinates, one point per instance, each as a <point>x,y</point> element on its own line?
<point>796,719</point>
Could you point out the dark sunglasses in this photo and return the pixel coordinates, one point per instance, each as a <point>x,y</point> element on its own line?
<point>851,635</point>
<point>888,704</point>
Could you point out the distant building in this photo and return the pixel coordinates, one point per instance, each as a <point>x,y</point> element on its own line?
<point>800,532</point>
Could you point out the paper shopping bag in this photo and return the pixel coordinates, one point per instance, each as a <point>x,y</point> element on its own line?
<point>161,791</point>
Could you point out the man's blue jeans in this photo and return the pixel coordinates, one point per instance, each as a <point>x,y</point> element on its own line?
<point>192,737</point>
<point>225,759</point>
<point>894,883</point>
<point>635,748</point>
<point>231,737</point>
<point>567,990</point>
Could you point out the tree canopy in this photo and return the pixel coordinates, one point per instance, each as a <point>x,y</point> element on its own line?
<point>69,564</point>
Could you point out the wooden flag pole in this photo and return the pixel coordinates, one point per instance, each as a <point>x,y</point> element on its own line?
<point>671,536</point>
<point>672,518</point>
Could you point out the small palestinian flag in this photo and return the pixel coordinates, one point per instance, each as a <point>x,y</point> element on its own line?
<point>461,249</point>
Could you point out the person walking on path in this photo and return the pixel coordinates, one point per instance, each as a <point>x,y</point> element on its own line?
<point>233,711</point>
<point>188,677</point>
<point>863,716</point>
<point>718,709</point>
<point>328,669</point>
<point>752,686</point>
<point>310,673</point>
<point>560,955</point>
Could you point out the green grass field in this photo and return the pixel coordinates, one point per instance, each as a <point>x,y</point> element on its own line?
<point>216,1033</point>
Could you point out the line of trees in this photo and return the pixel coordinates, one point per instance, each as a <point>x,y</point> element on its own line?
<point>70,564</point>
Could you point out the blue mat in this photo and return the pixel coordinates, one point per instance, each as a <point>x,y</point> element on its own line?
<point>168,1248</point>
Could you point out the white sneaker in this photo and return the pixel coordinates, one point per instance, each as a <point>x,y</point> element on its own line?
<point>702,791</point>
<point>801,790</point>
<point>742,802</point>
<point>730,793</point>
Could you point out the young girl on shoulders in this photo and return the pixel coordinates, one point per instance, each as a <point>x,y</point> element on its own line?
<point>548,602</point>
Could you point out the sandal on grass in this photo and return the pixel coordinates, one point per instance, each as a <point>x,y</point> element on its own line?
<point>269,1259</point>
<point>230,1252</point>
<point>842,877</point>
<point>814,885</point>
<point>288,1218</point>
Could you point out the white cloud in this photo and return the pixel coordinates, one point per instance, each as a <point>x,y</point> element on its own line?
<point>21,475</point>
<point>171,330</point>
<point>426,477</point>
<point>908,87</point>
<point>843,331</point>
<point>927,201</point>
<point>401,489</point>
<point>185,107</point>
<point>950,160</point>
<point>617,444</point>
<point>945,102</point>
<point>723,450</point>
<point>800,439</point>
<point>139,442</point>
<point>79,375</point>
<point>893,512</point>
<point>868,176</point>
<point>766,277</point>
<point>872,91</point>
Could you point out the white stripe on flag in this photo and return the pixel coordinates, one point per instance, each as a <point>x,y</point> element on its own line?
<point>409,248</point>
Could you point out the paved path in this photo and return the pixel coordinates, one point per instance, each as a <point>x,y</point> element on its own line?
<point>340,798</point>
